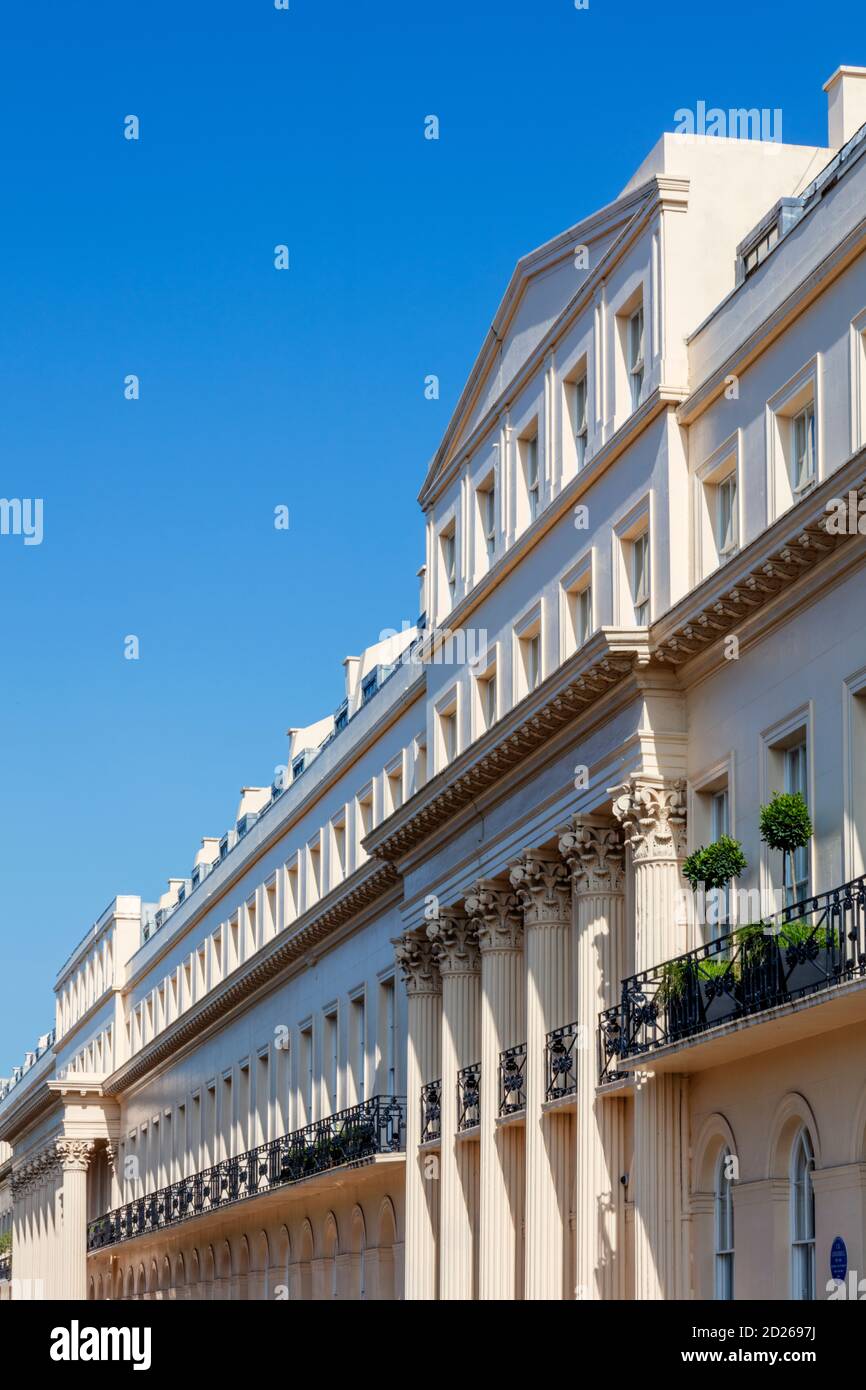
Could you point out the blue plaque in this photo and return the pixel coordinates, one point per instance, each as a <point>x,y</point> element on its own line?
<point>838,1258</point>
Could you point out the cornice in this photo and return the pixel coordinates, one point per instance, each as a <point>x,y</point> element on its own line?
<point>773,562</point>
<point>607,658</point>
<point>364,888</point>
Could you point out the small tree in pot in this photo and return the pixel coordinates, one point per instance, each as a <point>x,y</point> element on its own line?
<point>807,949</point>
<point>715,866</point>
<point>786,826</point>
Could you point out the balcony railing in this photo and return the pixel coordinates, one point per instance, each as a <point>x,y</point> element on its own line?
<point>814,945</point>
<point>561,1067</point>
<point>431,1111</point>
<point>469,1097</point>
<point>376,1126</point>
<point>512,1080</point>
<point>6,1265</point>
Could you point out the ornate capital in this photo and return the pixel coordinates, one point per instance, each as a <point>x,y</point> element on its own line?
<point>495,910</point>
<point>415,957</point>
<point>541,882</point>
<point>75,1154</point>
<point>594,855</point>
<point>653,818</point>
<point>454,941</point>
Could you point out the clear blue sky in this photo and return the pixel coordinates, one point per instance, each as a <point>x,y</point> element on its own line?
<point>258,388</point>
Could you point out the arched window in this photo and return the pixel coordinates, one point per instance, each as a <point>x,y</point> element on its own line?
<point>802,1218</point>
<point>724,1227</point>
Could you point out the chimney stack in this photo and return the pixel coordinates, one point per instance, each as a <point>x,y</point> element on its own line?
<point>846,104</point>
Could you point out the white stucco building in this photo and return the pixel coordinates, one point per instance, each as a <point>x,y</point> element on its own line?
<point>439,1018</point>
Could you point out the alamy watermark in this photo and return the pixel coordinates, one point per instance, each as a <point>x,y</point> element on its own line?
<point>739,123</point>
<point>22,516</point>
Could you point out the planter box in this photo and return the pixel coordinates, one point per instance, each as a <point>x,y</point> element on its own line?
<point>720,998</point>
<point>806,965</point>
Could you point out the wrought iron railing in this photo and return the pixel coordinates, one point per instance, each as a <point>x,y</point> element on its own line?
<point>561,1064</point>
<point>512,1079</point>
<point>376,1126</point>
<point>811,946</point>
<point>431,1111</point>
<point>469,1097</point>
<point>6,1265</point>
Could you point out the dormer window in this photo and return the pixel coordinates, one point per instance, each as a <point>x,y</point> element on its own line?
<point>761,250</point>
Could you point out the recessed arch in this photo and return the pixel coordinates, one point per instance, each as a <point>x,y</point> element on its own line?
<point>714,1135</point>
<point>387,1255</point>
<point>792,1113</point>
<point>130,1282</point>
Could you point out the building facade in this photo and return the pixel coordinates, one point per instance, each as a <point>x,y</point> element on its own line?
<point>442,1017</point>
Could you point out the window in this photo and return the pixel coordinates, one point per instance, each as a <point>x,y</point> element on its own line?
<point>640,578</point>
<point>487,517</point>
<point>803,450</point>
<point>796,780</point>
<point>487,698</point>
<point>314,880</point>
<point>359,1047</point>
<point>363,820</point>
<point>583,614</point>
<point>332,1059</point>
<point>291,891</point>
<point>389,1048</point>
<point>727,520</point>
<point>724,1228</point>
<point>529,450</point>
<point>581,427</point>
<point>449,561</point>
<point>636,356</point>
<point>448,731</point>
<point>530,651</point>
<point>339,845</point>
<point>719,899</point>
<point>758,253</point>
<point>306,1077</point>
<point>394,785</point>
<point>802,1218</point>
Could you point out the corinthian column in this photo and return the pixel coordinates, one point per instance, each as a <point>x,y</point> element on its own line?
<point>594,853</point>
<point>414,954</point>
<point>495,911</point>
<point>540,880</point>
<point>456,949</point>
<point>74,1155</point>
<point>653,818</point>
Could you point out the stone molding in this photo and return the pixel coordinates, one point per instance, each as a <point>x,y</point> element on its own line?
<point>541,882</point>
<point>595,855</point>
<point>416,958</point>
<point>455,942</point>
<point>653,818</point>
<point>495,910</point>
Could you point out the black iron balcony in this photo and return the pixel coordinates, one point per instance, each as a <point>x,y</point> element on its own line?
<point>6,1265</point>
<point>561,1068</point>
<point>468,1097</point>
<point>431,1111</point>
<point>512,1080</point>
<point>813,946</point>
<point>376,1126</point>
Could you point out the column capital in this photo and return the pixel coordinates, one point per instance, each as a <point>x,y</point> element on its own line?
<point>494,908</point>
<point>415,957</point>
<point>75,1154</point>
<point>541,882</point>
<point>653,818</point>
<point>594,853</point>
<point>455,942</point>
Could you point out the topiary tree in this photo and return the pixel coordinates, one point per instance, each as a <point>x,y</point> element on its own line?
<point>786,825</point>
<point>715,865</point>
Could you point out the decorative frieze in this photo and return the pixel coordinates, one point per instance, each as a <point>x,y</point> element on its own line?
<point>595,856</point>
<point>653,818</point>
<point>455,942</point>
<point>495,911</point>
<point>416,959</point>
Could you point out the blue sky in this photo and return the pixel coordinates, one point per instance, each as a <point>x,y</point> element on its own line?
<point>260,388</point>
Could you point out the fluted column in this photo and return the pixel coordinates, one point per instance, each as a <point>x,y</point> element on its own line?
<point>495,910</point>
<point>414,954</point>
<point>541,882</point>
<point>594,853</point>
<point>74,1155</point>
<point>653,817</point>
<point>456,949</point>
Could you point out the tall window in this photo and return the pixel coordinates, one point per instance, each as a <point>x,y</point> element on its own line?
<point>803,450</point>
<point>389,1040</point>
<point>640,578</point>
<point>583,615</point>
<point>727,521</point>
<point>581,428</point>
<point>487,698</point>
<point>802,1218</point>
<point>720,825</point>
<point>533,484</point>
<point>307,1073</point>
<point>487,505</point>
<point>724,1229</point>
<point>449,562</point>
<point>360,1029</point>
<point>636,356</point>
<point>796,780</point>
<point>530,650</point>
<point>332,1058</point>
<point>448,725</point>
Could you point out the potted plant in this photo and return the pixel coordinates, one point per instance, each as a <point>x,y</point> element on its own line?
<point>677,996</point>
<point>786,826</point>
<point>809,954</point>
<point>757,964</point>
<point>715,865</point>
